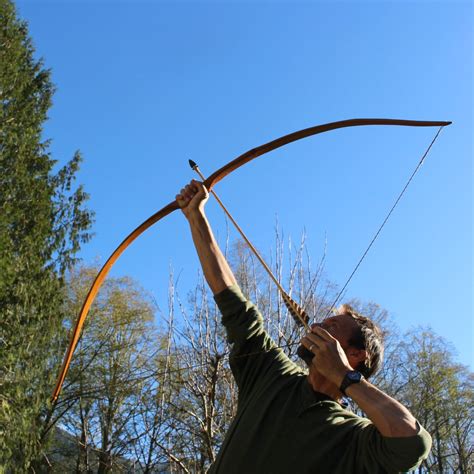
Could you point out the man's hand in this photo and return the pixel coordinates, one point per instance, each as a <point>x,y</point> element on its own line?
<point>389,416</point>
<point>330,359</point>
<point>192,198</point>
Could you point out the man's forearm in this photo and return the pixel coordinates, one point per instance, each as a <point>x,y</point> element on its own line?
<point>390,417</point>
<point>216,270</point>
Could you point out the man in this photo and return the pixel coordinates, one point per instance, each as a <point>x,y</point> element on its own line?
<point>288,421</point>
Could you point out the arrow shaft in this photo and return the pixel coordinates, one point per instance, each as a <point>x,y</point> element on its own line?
<point>286,297</point>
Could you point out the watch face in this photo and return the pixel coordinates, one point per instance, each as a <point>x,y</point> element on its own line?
<point>354,376</point>
<point>351,377</point>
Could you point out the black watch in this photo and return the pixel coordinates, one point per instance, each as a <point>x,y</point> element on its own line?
<point>351,377</point>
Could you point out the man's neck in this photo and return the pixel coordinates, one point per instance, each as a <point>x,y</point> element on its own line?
<point>321,384</point>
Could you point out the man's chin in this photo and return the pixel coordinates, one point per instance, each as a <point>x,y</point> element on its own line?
<point>305,354</point>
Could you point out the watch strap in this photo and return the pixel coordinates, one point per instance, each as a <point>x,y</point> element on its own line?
<point>351,377</point>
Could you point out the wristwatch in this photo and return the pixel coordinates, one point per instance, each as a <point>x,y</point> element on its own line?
<point>351,377</point>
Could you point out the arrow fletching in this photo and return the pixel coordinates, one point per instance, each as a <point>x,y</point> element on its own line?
<point>297,312</point>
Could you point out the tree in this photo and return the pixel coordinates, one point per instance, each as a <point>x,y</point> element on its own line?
<point>420,371</point>
<point>111,364</point>
<point>189,412</point>
<point>440,394</point>
<point>43,222</point>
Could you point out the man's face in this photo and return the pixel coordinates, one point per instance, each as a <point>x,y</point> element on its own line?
<point>341,327</point>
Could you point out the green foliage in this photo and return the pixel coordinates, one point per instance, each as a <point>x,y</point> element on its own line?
<point>110,366</point>
<point>136,397</point>
<point>42,224</point>
<point>440,394</point>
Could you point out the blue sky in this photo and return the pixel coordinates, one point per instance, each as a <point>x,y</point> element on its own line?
<point>143,86</point>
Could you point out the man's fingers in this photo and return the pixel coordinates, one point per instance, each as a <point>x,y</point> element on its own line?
<point>198,187</point>
<point>322,333</point>
<point>189,192</point>
<point>314,337</point>
<point>181,200</point>
<point>194,187</point>
<point>184,193</point>
<point>310,344</point>
<point>317,338</point>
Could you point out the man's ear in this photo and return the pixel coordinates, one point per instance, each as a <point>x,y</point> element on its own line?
<point>356,356</point>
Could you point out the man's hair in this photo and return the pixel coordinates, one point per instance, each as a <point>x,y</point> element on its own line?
<point>368,337</point>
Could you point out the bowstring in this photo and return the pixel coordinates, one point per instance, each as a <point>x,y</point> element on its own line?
<point>226,354</point>
<point>387,217</point>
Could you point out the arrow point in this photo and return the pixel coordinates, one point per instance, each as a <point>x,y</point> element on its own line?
<point>192,164</point>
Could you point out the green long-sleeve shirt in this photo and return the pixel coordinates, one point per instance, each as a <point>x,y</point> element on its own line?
<point>283,426</point>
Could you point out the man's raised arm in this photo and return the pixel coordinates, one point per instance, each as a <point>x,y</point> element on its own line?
<point>192,200</point>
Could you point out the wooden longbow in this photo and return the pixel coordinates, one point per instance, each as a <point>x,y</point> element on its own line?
<point>210,182</point>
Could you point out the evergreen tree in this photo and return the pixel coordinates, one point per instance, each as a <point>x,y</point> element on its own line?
<point>43,222</point>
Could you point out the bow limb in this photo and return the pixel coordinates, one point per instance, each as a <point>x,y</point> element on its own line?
<point>209,183</point>
<point>99,279</point>
<point>221,173</point>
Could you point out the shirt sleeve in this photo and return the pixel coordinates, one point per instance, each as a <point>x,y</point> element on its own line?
<point>398,454</point>
<point>254,357</point>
